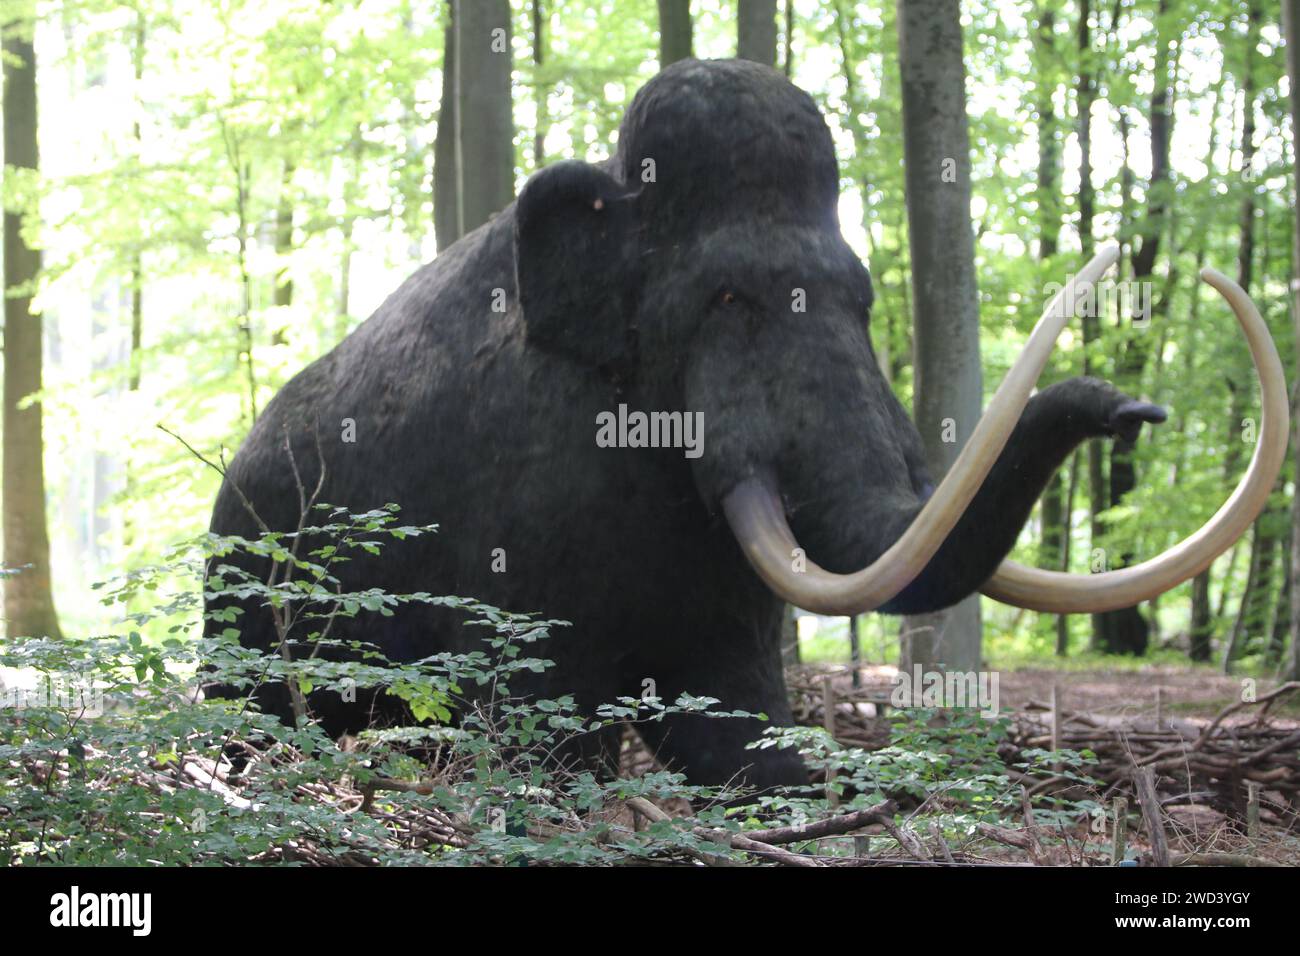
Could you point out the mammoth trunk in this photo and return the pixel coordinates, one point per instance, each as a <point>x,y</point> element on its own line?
<point>1046,434</point>
<point>944,550</point>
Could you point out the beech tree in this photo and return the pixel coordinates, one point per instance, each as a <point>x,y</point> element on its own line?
<point>475,152</point>
<point>945,318</point>
<point>28,596</point>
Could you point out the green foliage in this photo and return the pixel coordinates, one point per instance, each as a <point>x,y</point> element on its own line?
<point>89,774</point>
<point>178,136</point>
<point>107,757</point>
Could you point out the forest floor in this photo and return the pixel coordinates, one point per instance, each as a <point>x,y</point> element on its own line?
<point>1185,692</point>
<point>1178,691</point>
<point>1202,735</point>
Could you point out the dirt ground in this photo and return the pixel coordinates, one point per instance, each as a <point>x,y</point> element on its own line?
<point>1125,693</point>
<point>1205,814</point>
<point>1175,691</point>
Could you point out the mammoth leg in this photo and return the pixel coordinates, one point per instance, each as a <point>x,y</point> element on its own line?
<point>596,752</point>
<point>711,751</point>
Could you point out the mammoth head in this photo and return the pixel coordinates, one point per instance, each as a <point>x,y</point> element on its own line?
<point>705,151</point>
<point>706,260</point>
<point>727,142</point>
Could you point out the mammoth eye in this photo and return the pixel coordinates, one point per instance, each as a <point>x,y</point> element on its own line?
<point>728,298</point>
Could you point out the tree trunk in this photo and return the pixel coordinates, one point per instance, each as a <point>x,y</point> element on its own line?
<point>28,596</point>
<point>1258,576</point>
<point>1084,96</point>
<point>1047,190</point>
<point>446,193</point>
<point>246,340</point>
<point>485,132</point>
<point>135,283</point>
<point>1291,19</point>
<point>1224,591</point>
<point>1280,619</point>
<point>1098,486</point>
<point>474,154</point>
<point>1202,627</point>
<point>1086,93</point>
<point>137,320</point>
<point>282,294</point>
<point>789,637</point>
<point>1126,631</point>
<point>284,238</point>
<point>787,61</point>
<point>1245,278</point>
<point>347,224</point>
<point>936,151</point>
<point>1063,620</point>
<point>676,33</point>
<point>756,31</point>
<point>137,263</point>
<point>539,89</point>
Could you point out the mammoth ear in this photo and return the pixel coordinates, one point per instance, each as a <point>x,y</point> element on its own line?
<point>574,265</point>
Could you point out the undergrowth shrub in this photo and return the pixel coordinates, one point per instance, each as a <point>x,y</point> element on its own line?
<point>108,754</point>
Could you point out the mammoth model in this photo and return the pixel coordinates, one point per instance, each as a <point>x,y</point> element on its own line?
<point>672,292</point>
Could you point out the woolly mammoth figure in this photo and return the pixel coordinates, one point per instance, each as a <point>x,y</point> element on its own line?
<point>662,280</point>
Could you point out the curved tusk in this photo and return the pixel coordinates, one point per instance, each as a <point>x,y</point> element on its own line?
<point>757,518</point>
<point>1059,592</point>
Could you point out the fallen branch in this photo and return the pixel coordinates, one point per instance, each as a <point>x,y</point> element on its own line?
<point>831,826</point>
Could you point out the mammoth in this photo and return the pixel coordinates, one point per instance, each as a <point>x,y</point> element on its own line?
<point>661,281</point>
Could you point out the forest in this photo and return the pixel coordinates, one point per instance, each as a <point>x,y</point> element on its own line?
<point>202,197</point>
